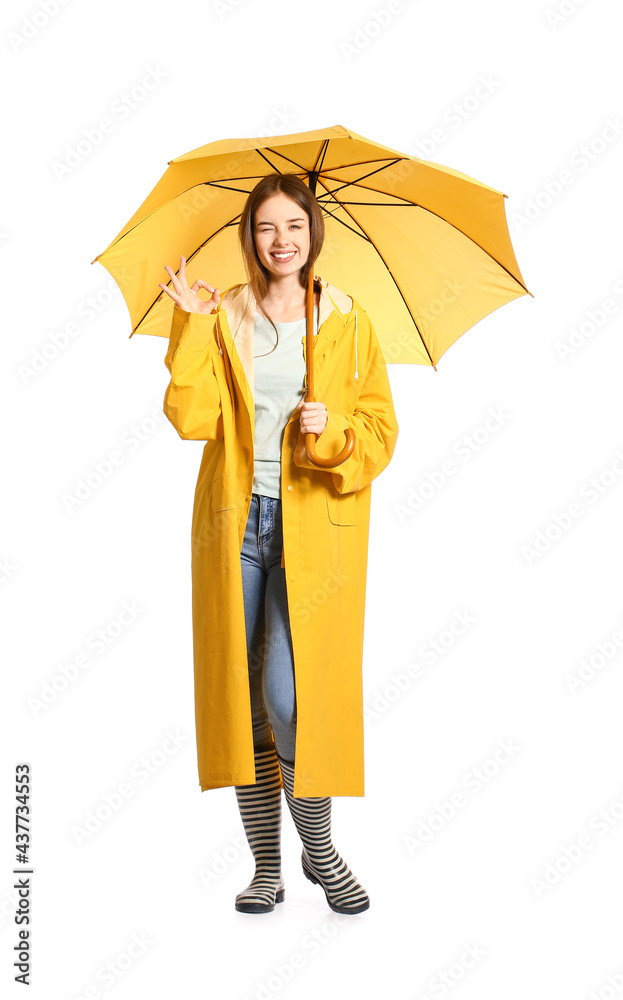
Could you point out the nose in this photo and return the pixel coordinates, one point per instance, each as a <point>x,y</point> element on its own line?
<point>282,237</point>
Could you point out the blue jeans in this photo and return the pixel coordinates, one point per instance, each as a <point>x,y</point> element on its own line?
<point>267,622</point>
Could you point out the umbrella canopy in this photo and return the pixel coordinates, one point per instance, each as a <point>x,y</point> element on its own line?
<point>425,248</point>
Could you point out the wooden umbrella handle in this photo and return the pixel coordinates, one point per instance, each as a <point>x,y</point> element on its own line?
<point>329,463</point>
<point>310,439</point>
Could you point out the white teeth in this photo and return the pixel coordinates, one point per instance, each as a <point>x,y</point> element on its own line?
<point>282,256</point>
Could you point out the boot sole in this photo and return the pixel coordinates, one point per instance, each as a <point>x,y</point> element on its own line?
<point>261,907</point>
<point>336,909</point>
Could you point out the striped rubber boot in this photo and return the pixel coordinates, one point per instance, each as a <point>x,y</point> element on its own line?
<point>321,862</point>
<point>260,809</point>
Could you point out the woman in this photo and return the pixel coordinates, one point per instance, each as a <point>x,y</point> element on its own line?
<point>279,545</point>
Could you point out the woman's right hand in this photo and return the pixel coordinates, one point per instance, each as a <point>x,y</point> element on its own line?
<point>186,298</point>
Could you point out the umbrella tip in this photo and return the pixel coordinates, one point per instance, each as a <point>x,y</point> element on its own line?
<point>96,258</point>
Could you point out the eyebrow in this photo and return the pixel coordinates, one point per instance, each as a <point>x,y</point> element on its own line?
<point>265,223</point>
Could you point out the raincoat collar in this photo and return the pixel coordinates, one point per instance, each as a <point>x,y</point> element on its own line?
<point>240,307</point>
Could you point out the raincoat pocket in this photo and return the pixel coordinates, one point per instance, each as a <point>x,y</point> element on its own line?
<point>341,507</point>
<point>223,493</point>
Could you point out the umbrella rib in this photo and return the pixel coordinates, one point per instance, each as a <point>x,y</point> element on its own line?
<point>330,195</point>
<point>277,153</point>
<point>385,160</point>
<point>358,233</point>
<point>364,187</point>
<point>322,152</point>
<point>220,184</point>
<point>323,148</point>
<point>181,193</point>
<point>416,204</point>
<point>358,180</point>
<point>392,276</point>
<point>193,254</point>
<point>384,204</point>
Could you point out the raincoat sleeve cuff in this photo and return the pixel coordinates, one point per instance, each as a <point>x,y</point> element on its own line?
<point>190,331</point>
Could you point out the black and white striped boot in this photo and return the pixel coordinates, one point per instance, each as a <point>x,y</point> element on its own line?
<point>260,809</point>
<point>321,862</point>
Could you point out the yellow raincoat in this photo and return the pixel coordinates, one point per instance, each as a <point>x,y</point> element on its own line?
<point>325,516</point>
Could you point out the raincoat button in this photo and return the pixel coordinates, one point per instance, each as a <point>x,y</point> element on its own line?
<point>289,487</point>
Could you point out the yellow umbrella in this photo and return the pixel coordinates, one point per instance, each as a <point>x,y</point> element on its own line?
<point>425,248</point>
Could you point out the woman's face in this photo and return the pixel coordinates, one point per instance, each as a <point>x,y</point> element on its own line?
<point>281,233</point>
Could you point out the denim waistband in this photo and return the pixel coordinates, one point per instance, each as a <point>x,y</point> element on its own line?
<point>255,498</point>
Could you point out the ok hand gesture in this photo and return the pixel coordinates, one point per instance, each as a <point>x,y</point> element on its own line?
<point>186,298</point>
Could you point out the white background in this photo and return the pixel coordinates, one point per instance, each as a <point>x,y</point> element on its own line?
<point>526,874</point>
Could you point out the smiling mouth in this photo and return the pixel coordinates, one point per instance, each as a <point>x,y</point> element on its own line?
<point>283,256</point>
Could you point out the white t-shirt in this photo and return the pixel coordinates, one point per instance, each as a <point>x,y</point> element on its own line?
<point>278,387</point>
